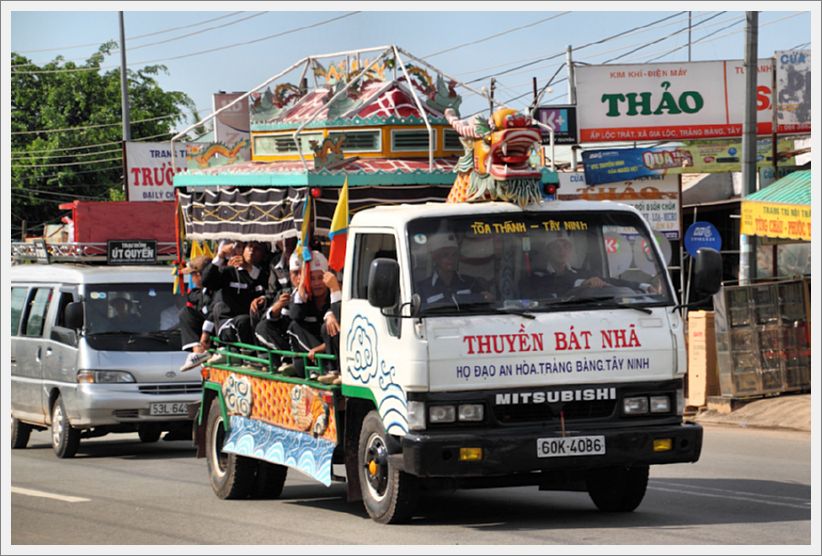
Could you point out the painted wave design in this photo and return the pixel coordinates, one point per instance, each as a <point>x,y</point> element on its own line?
<point>361,343</point>
<point>257,439</point>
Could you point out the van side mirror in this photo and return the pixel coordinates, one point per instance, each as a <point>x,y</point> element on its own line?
<point>73,315</point>
<point>383,283</point>
<point>707,271</point>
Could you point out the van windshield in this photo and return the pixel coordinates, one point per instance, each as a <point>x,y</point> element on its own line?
<point>535,261</point>
<point>132,317</point>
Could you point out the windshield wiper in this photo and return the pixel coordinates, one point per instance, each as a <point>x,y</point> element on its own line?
<point>111,333</point>
<point>487,305</point>
<point>596,301</point>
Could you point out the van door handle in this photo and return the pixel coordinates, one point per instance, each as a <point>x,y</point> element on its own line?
<point>13,360</point>
<point>37,355</point>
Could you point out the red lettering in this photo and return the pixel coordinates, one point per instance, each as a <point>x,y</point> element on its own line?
<point>470,340</point>
<point>560,342</point>
<point>484,344</point>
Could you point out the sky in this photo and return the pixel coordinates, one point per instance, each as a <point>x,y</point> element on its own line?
<point>467,45</point>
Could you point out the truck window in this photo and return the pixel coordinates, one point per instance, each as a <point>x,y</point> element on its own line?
<point>18,302</point>
<point>38,307</point>
<point>367,248</point>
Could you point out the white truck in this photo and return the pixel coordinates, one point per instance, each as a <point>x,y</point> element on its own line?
<point>469,359</point>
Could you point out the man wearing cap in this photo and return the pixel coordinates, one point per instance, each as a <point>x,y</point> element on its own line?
<point>272,330</point>
<point>447,286</point>
<point>309,316</point>
<point>241,287</point>
<point>195,320</point>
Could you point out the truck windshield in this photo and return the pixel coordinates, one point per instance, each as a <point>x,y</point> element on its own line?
<point>535,261</point>
<point>132,317</point>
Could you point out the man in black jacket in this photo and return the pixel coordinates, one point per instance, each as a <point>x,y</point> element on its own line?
<point>195,319</point>
<point>234,274</point>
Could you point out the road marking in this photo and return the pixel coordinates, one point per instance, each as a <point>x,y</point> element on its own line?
<point>806,506</point>
<point>735,492</point>
<point>41,494</point>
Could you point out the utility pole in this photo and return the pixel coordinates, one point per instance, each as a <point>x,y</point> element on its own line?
<point>747,244</point>
<point>689,36</point>
<point>572,97</point>
<point>124,102</point>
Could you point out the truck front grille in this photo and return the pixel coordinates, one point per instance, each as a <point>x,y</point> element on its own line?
<point>174,388</point>
<point>523,413</point>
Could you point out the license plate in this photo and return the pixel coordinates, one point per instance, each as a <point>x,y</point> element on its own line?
<point>570,446</point>
<point>168,408</point>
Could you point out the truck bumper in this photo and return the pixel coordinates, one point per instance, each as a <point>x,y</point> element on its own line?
<point>506,451</point>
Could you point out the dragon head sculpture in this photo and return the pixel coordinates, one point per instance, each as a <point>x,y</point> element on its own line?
<point>496,164</point>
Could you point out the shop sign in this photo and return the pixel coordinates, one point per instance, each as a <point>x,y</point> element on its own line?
<point>562,119</point>
<point>702,234</point>
<point>698,157</point>
<point>131,252</point>
<point>776,220</point>
<point>149,172</point>
<point>655,197</point>
<point>793,90</point>
<point>677,101</point>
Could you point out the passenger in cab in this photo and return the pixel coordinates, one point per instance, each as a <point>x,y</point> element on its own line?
<point>446,286</point>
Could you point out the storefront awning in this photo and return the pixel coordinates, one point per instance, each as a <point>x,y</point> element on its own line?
<point>781,210</point>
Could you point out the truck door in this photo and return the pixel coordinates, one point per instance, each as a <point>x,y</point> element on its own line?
<point>28,356</point>
<point>371,344</point>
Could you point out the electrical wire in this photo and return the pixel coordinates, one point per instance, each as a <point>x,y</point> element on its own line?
<point>166,41</point>
<point>557,55</point>
<point>198,53</point>
<point>83,163</point>
<point>90,146</point>
<point>500,34</point>
<point>60,130</point>
<point>13,158</point>
<point>61,48</point>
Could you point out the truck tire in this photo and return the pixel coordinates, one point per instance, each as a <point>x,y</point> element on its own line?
<point>65,439</point>
<point>20,433</point>
<point>389,495</point>
<point>231,476</point>
<point>617,489</point>
<point>148,433</point>
<point>270,480</point>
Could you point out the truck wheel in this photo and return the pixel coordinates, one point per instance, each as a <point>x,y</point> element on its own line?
<point>270,480</point>
<point>20,433</point>
<point>65,439</point>
<point>389,495</point>
<point>617,489</point>
<point>148,433</point>
<point>231,476</point>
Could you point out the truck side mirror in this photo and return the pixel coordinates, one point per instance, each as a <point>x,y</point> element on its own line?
<point>383,283</point>
<point>74,315</point>
<point>707,271</point>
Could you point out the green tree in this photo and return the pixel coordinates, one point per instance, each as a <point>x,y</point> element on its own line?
<point>50,167</point>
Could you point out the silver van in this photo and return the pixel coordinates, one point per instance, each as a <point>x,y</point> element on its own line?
<point>94,350</point>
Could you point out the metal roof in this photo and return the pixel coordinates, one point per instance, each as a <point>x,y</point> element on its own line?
<point>793,189</point>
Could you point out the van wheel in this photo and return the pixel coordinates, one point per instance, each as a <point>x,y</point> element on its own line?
<point>270,480</point>
<point>149,432</point>
<point>231,476</point>
<point>617,489</point>
<point>65,439</point>
<point>20,433</point>
<point>389,495</point>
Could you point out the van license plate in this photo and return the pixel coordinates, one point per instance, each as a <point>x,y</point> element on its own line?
<point>168,408</point>
<point>570,446</point>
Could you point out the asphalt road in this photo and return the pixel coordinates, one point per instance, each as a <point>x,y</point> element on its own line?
<point>751,487</point>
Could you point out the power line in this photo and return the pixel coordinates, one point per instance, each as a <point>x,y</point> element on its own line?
<point>73,173</point>
<point>67,155</point>
<point>86,162</point>
<point>172,39</point>
<point>89,126</point>
<point>198,53</point>
<point>88,146</point>
<point>506,32</point>
<point>661,39</point>
<point>134,37</point>
<point>737,22</point>
<point>557,55</point>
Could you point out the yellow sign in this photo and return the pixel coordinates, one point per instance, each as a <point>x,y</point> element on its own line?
<point>776,220</point>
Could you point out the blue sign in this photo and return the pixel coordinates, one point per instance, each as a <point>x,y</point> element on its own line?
<point>702,234</point>
<point>562,119</point>
<point>610,165</point>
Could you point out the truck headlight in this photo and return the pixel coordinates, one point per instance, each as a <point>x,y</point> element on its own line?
<point>660,404</point>
<point>416,415</point>
<point>103,377</point>
<point>637,405</point>
<point>442,414</point>
<point>470,412</point>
